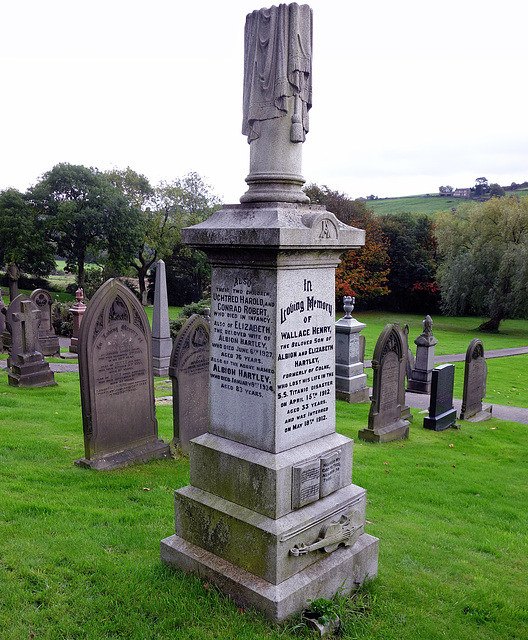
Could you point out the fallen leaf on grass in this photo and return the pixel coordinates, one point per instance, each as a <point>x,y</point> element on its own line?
<point>451,445</point>
<point>385,463</point>
<point>145,488</point>
<point>492,428</point>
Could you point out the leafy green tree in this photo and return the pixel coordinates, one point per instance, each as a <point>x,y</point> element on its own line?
<point>495,190</point>
<point>412,254</point>
<point>481,186</point>
<point>185,202</point>
<point>23,242</point>
<point>159,229</point>
<point>87,217</point>
<point>484,269</point>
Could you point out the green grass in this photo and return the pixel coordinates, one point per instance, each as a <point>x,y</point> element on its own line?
<point>428,204</point>
<point>79,550</point>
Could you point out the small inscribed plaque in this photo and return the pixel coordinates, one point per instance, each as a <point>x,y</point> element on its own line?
<point>330,473</point>
<point>306,480</point>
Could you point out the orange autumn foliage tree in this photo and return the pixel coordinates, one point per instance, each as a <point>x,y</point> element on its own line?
<point>362,273</point>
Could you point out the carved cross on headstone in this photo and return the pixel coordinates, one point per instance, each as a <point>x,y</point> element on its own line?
<point>29,319</point>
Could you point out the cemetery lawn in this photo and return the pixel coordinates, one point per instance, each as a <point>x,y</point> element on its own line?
<point>79,549</point>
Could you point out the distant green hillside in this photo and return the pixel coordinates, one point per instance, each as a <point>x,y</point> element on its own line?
<point>428,204</point>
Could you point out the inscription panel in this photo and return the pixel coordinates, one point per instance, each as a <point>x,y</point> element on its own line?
<point>272,356</point>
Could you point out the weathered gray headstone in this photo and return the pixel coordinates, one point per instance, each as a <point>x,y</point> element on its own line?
<point>48,340</point>
<point>161,340</point>
<point>77,311</point>
<point>405,409</point>
<point>351,381</point>
<point>13,339</point>
<point>189,371</point>
<point>475,375</point>
<point>420,377</point>
<point>271,515</point>
<point>442,413</point>
<point>3,312</point>
<point>385,422</point>
<point>28,367</point>
<point>117,383</point>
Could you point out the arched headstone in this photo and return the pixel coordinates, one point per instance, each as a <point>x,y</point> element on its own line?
<point>117,384</point>
<point>49,341</point>
<point>475,374</point>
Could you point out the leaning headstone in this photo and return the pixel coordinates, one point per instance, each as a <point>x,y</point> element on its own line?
<point>117,383</point>
<point>351,381</point>
<point>442,413</point>
<point>420,377</point>
<point>189,371</point>
<point>48,340</point>
<point>271,515</point>
<point>161,340</point>
<point>385,422</point>
<point>475,375</point>
<point>28,367</point>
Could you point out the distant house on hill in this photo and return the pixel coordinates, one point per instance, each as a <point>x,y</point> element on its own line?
<point>461,193</point>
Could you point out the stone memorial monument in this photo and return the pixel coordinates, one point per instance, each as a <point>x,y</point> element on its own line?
<point>475,375</point>
<point>13,274</point>
<point>13,330</point>
<point>189,371</point>
<point>405,409</point>
<point>28,367</point>
<point>442,413</point>
<point>48,340</point>
<point>385,420</point>
<point>420,377</point>
<point>77,311</point>
<point>271,515</point>
<point>117,383</point>
<point>351,381</point>
<point>161,340</point>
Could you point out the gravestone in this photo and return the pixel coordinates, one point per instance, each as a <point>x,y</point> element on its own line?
<point>351,381</point>
<point>13,331</point>
<point>161,340</point>
<point>271,515</point>
<point>13,274</point>
<point>189,371</point>
<point>48,340</point>
<point>475,375</point>
<point>420,377</point>
<point>28,367</point>
<point>405,409</point>
<point>3,312</point>
<point>117,383</point>
<point>385,422</point>
<point>442,413</point>
<point>77,310</point>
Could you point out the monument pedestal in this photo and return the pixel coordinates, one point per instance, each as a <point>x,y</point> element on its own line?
<point>31,370</point>
<point>271,515</point>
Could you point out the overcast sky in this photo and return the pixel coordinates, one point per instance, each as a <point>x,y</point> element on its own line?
<point>408,95</point>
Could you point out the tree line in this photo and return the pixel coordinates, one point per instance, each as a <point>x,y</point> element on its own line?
<point>116,220</point>
<point>470,261</point>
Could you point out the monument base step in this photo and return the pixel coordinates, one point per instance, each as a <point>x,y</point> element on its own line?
<point>396,431</point>
<point>480,416</point>
<point>343,570</point>
<point>354,397</point>
<point>143,453</point>
<point>441,422</point>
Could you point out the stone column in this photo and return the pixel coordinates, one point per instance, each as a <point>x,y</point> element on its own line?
<point>161,340</point>
<point>77,310</point>
<point>421,375</point>
<point>13,274</point>
<point>351,381</point>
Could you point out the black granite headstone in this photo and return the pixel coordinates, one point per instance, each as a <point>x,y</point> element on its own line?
<point>442,413</point>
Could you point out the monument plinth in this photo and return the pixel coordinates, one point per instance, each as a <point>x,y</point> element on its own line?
<point>271,515</point>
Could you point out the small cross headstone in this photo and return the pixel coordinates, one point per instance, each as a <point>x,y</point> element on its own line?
<point>475,374</point>
<point>385,422</point>
<point>442,413</point>
<point>189,371</point>
<point>49,341</point>
<point>28,367</point>
<point>117,383</point>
